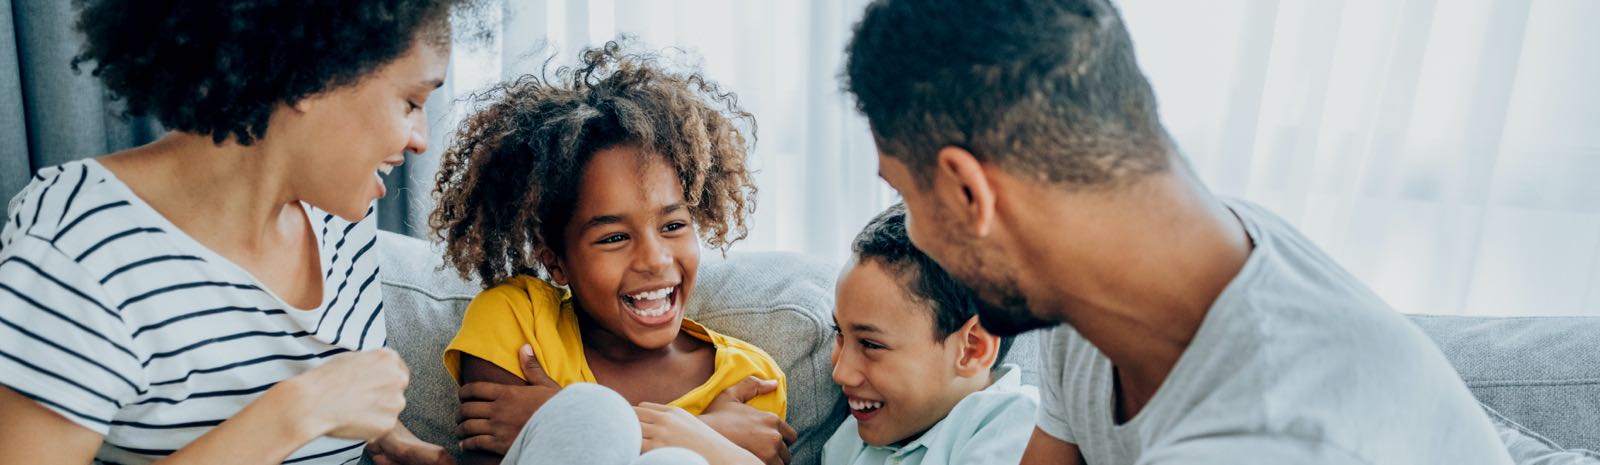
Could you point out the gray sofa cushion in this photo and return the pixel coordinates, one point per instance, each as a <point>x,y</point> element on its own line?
<point>781,302</point>
<point>1540,372</point>
<point>422,307</point>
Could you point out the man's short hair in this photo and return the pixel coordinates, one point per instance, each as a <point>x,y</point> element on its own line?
<point>950,303</point>
<point>1045,88</point>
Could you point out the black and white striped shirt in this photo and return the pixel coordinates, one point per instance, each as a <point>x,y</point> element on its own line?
<point>117,320</point>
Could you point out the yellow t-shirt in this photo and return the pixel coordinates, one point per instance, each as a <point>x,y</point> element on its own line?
<point>528,310</point>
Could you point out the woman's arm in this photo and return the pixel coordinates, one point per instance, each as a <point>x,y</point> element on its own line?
<point>353,396</point>
<point>32,433</point>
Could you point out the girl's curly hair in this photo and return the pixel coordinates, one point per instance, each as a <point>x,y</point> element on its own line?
<point>509,183</point>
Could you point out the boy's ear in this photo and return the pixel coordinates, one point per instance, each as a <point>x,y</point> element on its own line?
<point>980,349</point>
<point>552,264</point>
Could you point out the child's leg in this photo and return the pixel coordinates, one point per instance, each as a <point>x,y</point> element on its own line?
<point>670,456</point>
<point>584,423</point>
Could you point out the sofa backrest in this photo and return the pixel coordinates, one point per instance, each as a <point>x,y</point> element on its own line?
<point>781,302</point>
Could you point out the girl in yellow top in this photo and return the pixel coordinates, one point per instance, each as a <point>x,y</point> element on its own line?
<point>580,202</point>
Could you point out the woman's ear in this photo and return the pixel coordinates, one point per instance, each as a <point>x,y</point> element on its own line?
<point>552,264</point>
<point>980,349</point>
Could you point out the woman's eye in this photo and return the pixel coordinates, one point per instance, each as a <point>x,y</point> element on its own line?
<point>412,106</point>
<point>869,345</point>
<point>612,239</point>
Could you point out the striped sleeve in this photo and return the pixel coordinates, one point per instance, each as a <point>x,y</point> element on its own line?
<point>61,344</point>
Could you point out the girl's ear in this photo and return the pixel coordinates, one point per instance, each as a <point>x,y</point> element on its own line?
<point>552,264</point>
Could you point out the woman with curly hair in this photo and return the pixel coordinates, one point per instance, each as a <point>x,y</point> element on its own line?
<point>208,298</point>
<point>580,202</point>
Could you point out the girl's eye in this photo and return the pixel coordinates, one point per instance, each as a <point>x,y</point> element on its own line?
<point>674,226</point>
<point>612,239</point>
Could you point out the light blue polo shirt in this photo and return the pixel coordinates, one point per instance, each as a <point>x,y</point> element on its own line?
<point>989,426</point>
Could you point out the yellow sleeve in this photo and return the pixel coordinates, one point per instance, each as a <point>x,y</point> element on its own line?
<point>776,401</point>
<point>749,360</point>
<point>495,326</point>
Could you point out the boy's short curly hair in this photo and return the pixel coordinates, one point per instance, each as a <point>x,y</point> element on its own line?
<point>508,185</point>
<point>950,303</point>
<point>218,68</point>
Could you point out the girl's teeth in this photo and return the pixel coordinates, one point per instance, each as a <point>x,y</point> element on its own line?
<point>653,295</point>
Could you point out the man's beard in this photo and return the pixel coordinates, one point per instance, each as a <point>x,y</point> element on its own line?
<point>1003,309</point>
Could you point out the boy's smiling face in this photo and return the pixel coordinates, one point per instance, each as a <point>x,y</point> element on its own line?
<point>898,378</point>
<point>631,249</point>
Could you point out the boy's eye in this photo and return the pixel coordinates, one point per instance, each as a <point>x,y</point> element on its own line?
<point>612,239</point>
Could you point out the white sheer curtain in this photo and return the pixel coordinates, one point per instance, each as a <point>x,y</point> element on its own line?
<point>1446,152</point>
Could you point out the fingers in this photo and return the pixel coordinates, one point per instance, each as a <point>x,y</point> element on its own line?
<point>480,391</point>
<point>789,435</point>
<point>531,371</point>
<point>474,409</point>
<point>483,443</point>
<point>783,454</point>
<point>474,427</point>
<point>748,388</point>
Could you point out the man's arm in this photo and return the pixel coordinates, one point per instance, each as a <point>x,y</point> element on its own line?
<point>1044,449</point>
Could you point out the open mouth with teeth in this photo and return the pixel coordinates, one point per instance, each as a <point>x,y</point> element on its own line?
<point>378,174</point>
<point>653,307</point>
<point>864,409</point>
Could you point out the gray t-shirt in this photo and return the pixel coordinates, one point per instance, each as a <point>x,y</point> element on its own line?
<point>1296,362</point>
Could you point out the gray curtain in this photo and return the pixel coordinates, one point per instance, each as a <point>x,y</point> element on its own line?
<point>50,115</point>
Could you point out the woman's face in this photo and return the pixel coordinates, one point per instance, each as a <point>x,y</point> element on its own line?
<point>631,248</point>
<point>340,141</point>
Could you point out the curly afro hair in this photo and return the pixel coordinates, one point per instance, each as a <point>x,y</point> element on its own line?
<point>508,186</point>
<point>218,68</point>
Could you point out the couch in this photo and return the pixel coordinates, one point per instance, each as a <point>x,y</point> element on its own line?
<point>1539,377</point>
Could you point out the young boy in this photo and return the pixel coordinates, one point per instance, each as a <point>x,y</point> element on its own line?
<point>919,372</point>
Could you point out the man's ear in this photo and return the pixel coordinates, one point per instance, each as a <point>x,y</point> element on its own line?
<point>980,350</point>
<point>962,181</point>
<point>552,264</point>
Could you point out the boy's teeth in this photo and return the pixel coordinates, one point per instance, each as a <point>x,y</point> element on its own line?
<point>864,404</point>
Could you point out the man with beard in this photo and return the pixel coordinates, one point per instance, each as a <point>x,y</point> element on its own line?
<point>1026,144</point>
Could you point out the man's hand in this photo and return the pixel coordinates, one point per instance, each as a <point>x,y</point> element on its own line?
<point>400,447</point>
<point>493,414</point>
<point>668,426</point>
<point>760,432</point>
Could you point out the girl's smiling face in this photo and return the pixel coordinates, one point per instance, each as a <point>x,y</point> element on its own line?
<point>631,251</point>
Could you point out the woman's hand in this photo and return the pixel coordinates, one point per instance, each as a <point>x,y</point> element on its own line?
<point>758,431</point>
<point>668,426</point>
<point>400,447</point>
<point>492,414</point>
<point>355,395</point>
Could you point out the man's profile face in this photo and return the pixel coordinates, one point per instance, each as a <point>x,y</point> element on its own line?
<point>966,257</point>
